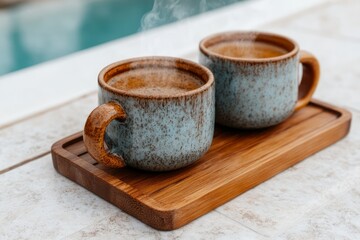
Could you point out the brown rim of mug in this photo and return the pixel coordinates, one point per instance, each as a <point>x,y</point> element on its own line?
<point>271,38</point>
<point>116,68</point>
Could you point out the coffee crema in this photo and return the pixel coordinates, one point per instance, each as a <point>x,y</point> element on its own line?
<point>247,49</point>
<point>155,81</point>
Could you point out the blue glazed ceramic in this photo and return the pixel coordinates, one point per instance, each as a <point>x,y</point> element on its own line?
<point>258,92</point>
<point>152,132</point>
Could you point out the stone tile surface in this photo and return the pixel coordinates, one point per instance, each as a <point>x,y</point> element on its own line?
<point>210,226</point>
<point>295,194</point>
<point>338,19</point>
<point>38,203</point>
<point>318,198</point>
<point>337,218</point>
<point>35,136</point>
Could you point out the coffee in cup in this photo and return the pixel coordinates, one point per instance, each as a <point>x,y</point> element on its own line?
<point>247,49</point>
<point>155,113</point>
<point>156,81</point>
<point>257,77</point>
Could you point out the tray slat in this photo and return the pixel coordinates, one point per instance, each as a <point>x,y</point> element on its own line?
<point>237,161</point>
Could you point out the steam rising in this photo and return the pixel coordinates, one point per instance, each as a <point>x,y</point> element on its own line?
<point>165,11</point>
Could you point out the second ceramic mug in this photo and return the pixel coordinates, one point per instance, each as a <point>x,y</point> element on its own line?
<point>155,113</point>
<point>258,91</point>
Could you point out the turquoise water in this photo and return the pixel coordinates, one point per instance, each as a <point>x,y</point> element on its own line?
<point>39,31</point>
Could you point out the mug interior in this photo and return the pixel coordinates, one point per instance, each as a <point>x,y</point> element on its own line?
<point>166,68</point>
<point>289,46</point>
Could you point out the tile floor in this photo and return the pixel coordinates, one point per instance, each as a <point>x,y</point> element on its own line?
<point>318,198</point>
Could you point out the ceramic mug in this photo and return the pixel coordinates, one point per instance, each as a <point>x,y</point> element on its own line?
<point>257,77</point>
<point>155,113</point>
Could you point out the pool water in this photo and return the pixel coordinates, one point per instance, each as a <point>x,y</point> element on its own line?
<point>38,31</point>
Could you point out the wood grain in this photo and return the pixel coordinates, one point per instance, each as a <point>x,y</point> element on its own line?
<point>237,161</point>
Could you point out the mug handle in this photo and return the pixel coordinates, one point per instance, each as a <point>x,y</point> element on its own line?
<point>310,78</point>
<point>94,133</point>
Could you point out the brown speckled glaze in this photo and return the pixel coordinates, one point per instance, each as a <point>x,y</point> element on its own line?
<point>152,132</point>
<point>259,92</point>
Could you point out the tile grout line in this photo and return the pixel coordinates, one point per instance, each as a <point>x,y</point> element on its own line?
<point>353,109</point>
<point>265,236</point>
<point>24,162</point>
<point>47,152</point>
<point>43,111</point>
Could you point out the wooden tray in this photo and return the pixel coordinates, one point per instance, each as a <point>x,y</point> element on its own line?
<point>237,161</point>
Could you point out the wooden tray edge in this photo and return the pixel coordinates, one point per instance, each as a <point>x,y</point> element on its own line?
<point>169,219</point>
<point>147,210</point>
<point>341,127</point>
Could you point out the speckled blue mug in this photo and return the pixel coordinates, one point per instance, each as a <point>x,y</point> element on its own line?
<point>151,115</point>
<point>257,77</point>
